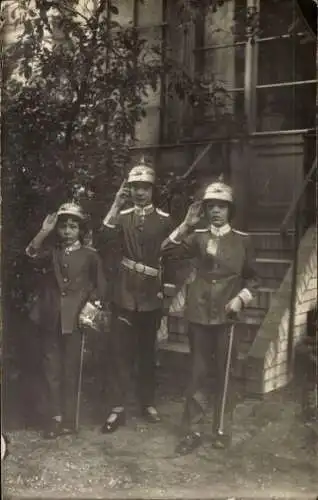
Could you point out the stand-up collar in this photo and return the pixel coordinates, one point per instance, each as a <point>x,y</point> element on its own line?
<point>72,248</point>
<point>220,231</point>
<point>148,209</point>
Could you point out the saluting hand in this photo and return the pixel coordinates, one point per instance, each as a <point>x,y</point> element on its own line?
<point>194,214</point>
<point>122,194</point>
<point>49,223</point>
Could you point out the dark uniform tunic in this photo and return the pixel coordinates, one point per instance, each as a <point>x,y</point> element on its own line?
<point>70,278</point>
<point>224,269</point>
<point>137,298</point>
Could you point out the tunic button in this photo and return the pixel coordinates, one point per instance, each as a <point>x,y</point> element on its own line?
<point>65,280</point>
<point>213,282</point>
<point>63,294</point>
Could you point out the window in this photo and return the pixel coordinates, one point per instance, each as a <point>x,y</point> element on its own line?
<point>148,18</point>
<point>286,81</point>
<point>276,82</point>
<point>222,57</point>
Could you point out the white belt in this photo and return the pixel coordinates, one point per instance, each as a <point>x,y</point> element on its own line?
<point>139,267</point>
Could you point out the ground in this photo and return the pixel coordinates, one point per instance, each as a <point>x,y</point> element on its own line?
<point>273,453</point>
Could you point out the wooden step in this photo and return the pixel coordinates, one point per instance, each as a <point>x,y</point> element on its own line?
<point>269,240</point>
<point>268,253</point>
<point>263,297</point>
<point>254,315</point>
<point>273,261</point>
<point>272,282</point>
<point>273,268</point>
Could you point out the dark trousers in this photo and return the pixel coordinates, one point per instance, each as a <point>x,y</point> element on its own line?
<point>209,348</point>
<point>61,365</point>
<point>133,342</point>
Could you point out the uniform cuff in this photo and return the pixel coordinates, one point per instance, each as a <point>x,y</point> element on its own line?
<point>107,224</point>
<point>169,289</point>
<point>174,237</point>
<point>246,296</point>
<point>31,251</point>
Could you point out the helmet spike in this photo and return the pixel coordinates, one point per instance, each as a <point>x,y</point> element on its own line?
<point>221,178</point>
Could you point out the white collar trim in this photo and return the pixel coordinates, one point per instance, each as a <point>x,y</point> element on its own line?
<point>220,231</point>
<point>148,209</point>
<point>73,247</point>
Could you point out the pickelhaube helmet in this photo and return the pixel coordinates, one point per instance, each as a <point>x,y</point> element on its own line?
<point>71,208</point>
<point>142,173</point>
<point>218,191</point>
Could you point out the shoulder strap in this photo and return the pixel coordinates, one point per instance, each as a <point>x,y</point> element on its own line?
<point>240,232</point>
<point>127,211</point>
<point>161,212</point>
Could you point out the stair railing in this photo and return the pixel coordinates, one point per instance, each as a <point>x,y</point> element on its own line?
<point>295,211</point>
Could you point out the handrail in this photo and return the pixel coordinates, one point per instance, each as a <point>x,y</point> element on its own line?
<point>196,161</point>
<point>172,185</point>
<point>294,204</point>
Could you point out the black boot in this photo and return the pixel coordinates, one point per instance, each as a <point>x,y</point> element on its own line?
<point>221,440</point>
<point>114,420</point>
<point>67,428</point>
<point>188,443</point>
<point>53,429</point>
<point>150,414</point>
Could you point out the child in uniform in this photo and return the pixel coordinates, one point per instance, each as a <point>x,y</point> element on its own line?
<point>72,274</point>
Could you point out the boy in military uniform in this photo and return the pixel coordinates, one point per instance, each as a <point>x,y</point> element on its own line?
<point>223,283</point>
<point>71,275</point>
<point>137,299</point>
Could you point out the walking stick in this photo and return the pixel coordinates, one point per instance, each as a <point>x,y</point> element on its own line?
<point>220,430</point>
<point>79,386</point>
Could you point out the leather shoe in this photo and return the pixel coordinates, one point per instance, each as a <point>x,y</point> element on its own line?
<point>188,443</point>
<point>150,414</point>
<point>113,421</point>
<point>221,441</point>
<point>53,430</point>
<point>67,429</point>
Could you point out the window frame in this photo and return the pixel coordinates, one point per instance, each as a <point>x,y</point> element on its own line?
<point>251,85</point>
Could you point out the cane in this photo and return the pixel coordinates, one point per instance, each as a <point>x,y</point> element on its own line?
<point>79,386</point>
<point>220,430</point>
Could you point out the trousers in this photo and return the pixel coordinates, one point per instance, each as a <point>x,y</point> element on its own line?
<point>208,349</point>
<point>61,365</point>
<point>133,343</point>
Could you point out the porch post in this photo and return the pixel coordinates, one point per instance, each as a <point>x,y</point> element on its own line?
<point>250,82</point>
<point>250,76</point>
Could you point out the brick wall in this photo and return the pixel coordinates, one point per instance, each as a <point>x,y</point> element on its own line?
<point>267,367</point>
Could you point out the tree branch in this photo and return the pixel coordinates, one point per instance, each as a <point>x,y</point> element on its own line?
<point>84,83</point>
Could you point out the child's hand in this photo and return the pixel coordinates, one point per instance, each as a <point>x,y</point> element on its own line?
<point>194,214</point>
<point>49,223</point>
<point>122,195</point>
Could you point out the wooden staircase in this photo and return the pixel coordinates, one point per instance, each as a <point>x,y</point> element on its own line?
<point>273,257</point>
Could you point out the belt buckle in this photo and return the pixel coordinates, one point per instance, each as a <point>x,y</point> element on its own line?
<point>139,267</point>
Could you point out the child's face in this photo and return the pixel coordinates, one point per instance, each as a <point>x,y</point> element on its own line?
<point>141,193</point>
<point>68,230</point>
<point>217,212</point>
